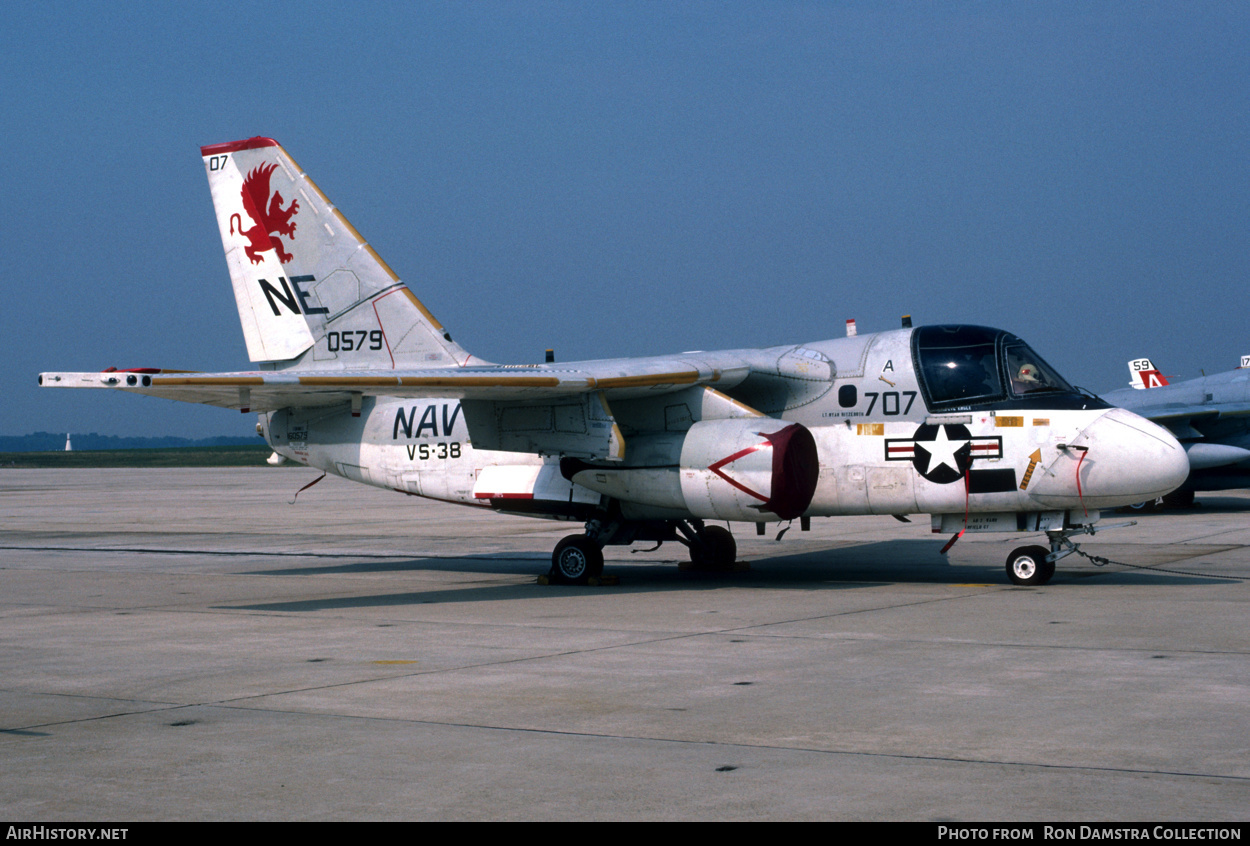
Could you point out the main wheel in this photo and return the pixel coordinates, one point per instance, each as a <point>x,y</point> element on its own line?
<point>1028,566</point>
<point>576,559</point>
<point>716,550</point>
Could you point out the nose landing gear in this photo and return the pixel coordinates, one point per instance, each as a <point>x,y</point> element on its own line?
<point>1035,565</point>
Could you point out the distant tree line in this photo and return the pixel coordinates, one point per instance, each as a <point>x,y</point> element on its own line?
<point>53,441</point>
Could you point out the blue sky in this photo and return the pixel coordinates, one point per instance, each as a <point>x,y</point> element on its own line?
<point>634,178</point>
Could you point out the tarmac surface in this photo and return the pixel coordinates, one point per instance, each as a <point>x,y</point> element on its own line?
<point>188,645</point>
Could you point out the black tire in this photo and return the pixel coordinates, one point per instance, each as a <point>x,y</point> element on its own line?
<point>1028,566</point>
<point>716,549</point>
<point>576,560</point>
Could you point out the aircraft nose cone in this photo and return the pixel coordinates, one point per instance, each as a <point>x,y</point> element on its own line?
<point>1127,459</point>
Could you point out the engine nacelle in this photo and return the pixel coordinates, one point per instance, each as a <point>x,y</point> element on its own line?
<point>745,469</point>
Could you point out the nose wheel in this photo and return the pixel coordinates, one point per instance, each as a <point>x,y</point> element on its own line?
<point>1028,566</point>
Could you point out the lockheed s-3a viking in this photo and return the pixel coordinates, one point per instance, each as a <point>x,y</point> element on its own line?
<point>356,377</point>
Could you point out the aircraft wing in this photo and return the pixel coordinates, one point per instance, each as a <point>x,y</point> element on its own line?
<point>1168,414</point>
<point>269,390</point>
<point>1164,414</point>
<point>1186,420</point>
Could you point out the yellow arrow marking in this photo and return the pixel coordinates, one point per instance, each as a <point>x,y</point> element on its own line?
<point>1028,474</point>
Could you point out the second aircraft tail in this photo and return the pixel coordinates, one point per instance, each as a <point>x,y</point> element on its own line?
<point>1143,374</point>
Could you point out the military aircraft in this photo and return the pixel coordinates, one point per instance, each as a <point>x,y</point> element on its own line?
<point>1210,416</point>
<point>357,378</point>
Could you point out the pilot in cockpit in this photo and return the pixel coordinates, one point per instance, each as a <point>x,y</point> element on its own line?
<point>1025,379</point>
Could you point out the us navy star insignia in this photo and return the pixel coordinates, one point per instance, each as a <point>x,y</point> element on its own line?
<point>943,453</point>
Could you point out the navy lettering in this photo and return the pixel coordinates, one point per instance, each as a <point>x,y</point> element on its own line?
<point>429,420</point>
<point>405,418</point>
<point>448,424</point>
<point>405,422</point>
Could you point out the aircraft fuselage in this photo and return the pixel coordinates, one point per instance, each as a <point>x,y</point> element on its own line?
<point>880,447</point>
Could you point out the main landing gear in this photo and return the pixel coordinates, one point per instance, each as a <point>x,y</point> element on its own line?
<point>579,558</point>
<point>711,547</point>
<point>576,560</point>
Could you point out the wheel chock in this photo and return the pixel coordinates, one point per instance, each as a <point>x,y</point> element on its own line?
<point>593,581</point>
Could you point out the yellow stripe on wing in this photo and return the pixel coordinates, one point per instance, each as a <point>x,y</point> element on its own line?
<point>688,377</point>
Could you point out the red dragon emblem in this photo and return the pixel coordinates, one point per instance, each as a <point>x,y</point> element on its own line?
<point>270,222</point>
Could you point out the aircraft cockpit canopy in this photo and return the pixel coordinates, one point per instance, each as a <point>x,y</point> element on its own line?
<point>978,367</point>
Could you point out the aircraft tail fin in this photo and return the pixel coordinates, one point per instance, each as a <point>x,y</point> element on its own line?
<point>1143,374</point>
<point>312,294</point>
